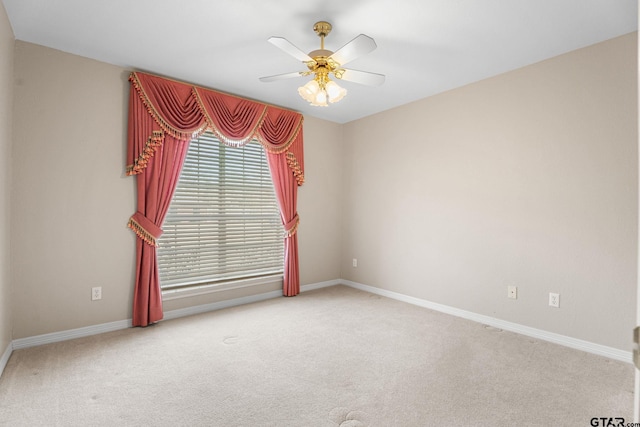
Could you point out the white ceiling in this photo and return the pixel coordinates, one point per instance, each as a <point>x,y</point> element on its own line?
<point>424,46</point>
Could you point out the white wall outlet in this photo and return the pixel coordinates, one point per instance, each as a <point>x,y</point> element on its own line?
<point>96,293</point>
<point>554,300</point>
<point>512,292</point>
<point>354,262</point>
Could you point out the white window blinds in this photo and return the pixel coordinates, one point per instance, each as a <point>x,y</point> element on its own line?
<point>223,222</point>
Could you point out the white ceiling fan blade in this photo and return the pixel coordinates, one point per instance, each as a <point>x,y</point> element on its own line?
<point>363,77</point>
<point>281,76</point>
<point>290,48</point>
<point>359,46</point>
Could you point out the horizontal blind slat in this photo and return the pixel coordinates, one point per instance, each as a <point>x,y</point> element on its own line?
<point>223,221</point>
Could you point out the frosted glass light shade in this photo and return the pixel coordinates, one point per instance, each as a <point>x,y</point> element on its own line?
<point>319,96</point>
<point>335,93</point>
<point>309,91</point>
<point>320,100</point>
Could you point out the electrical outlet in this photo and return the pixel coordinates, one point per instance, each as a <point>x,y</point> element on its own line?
<point>554,300</point>
<point>96,293</point>
<point>354,262</point>
<point>512,292</point>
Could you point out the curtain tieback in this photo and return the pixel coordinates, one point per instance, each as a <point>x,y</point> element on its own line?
<point>145,228</point>
<point>291,227</point>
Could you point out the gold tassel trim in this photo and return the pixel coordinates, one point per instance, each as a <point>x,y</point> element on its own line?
<point>293,230</point>
<point>150,147</point>
<point>142,233</point>
<point>218,133</point>
<point>176,133</point>
<point>278,149</point>
<point>231,142</point>
<point>295,167</point>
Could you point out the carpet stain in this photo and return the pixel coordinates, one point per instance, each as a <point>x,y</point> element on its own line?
<point>344,417</point>
<point>230,339</point>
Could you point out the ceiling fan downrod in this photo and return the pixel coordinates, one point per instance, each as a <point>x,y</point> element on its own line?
<point>322,29</point>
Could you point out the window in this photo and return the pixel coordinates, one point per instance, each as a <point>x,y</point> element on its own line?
<point>223,223</point>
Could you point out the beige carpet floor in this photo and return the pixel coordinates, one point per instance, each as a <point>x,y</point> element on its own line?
<point>331,357</point>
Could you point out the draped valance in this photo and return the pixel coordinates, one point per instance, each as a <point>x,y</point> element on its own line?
<point>185,111</point>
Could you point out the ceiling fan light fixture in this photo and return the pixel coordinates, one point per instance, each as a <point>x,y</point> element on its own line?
<point>313,93</point>
<point>317,93</point>
<point>308,92</point>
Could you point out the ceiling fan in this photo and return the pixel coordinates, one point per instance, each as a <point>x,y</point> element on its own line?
<point>323,63</point>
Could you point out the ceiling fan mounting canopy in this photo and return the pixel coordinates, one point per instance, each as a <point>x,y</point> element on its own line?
<point>322,28</point>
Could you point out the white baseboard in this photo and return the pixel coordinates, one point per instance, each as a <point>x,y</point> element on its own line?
<point>320,285</point>
<point>189,311</point>
<point>70,334</point>
<point>123,324</point>
<point>197,309</point>
<point>5,357</point>
<point>589,347</point>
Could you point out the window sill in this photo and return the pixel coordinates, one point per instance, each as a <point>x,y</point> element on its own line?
<point>191,291</point>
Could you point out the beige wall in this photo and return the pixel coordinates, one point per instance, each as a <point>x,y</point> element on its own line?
<point>6,108</point>
<point>72,200</point>
<point>319,202</point>
<point>526,179</point>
